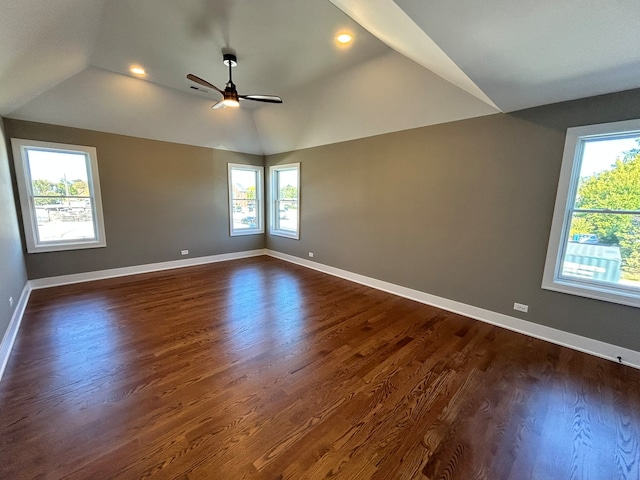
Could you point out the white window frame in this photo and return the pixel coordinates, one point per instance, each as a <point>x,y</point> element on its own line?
<point>27,202</point>
<point>259,211</point>
<point>565,200</point>
<point>273,205</point>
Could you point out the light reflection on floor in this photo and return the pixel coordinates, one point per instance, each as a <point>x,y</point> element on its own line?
<point>277,314</point>
<point>84,343</point>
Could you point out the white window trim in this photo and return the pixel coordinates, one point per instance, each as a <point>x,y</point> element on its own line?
<point>567,185</point>
<point>273,209</point>
<point>27,203</point>
<point>259,199</point>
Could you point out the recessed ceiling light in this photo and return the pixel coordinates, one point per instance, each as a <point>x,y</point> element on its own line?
<point>138,71</point>
<point>344,38</point>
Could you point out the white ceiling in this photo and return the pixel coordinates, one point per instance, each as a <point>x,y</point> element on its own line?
<point>529,53</point>
<point>412,63</point>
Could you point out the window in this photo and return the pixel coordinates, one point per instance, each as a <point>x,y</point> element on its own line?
<point>245,199</point>
<point>59,195</point>
<point>285,200</point>
<point>594,247</point>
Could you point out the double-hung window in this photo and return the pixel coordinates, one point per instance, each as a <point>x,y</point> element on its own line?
<point>285,200</point>
<point>59,193</point>
<point>594,247</point>
<point>245,199</point>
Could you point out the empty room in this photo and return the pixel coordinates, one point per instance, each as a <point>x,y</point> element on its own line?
<point>312,239</point>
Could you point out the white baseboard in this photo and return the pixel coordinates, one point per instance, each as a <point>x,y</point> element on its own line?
<point>12,330</point>
<point>559,337</point>
<point>136,269</point>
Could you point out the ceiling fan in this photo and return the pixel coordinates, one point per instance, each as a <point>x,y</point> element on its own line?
<point>230,94</point>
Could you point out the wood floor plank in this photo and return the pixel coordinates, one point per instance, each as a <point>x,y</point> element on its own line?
<point>259,369</point>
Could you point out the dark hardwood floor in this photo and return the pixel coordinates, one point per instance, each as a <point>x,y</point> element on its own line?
<point>260,369</point>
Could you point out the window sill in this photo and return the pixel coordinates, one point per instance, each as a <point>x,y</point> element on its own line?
<point>285,234</point>
<point>58,247</point>
<point>596,292</point>
<point>248,232</point>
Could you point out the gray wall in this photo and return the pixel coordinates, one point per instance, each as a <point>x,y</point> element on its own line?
<point>158,198</point>
<point>13,275</point>
<point>461,210</point>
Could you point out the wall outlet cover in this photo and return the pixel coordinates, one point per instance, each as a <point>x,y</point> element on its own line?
<point>521,307</point>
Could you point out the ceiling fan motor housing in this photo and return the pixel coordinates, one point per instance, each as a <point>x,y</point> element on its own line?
<point>230,94</point>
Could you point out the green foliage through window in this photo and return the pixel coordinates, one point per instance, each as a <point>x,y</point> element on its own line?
<point>616,189</point>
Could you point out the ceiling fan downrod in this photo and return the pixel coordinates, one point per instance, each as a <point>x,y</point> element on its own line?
<point>230,60</point>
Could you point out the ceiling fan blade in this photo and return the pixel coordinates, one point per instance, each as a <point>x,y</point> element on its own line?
<point>218,106</point>
<point>262,98</point>
<point>202,82</point>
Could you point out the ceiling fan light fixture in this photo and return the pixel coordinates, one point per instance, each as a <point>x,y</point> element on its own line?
<point>231,99</point>
<point>230,102</point>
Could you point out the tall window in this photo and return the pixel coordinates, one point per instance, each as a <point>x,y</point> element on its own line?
<point>59,195</point>
<point>594,248</point>
<point>285,200</point>
<point>245,199</point>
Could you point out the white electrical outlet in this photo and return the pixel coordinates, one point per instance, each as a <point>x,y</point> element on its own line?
<point>184,252</point>
<point>521,307</point>
<point>11,301</point>
<point>311,254</point>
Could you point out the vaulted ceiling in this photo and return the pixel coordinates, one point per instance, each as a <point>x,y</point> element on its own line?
<point>411,63</point>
